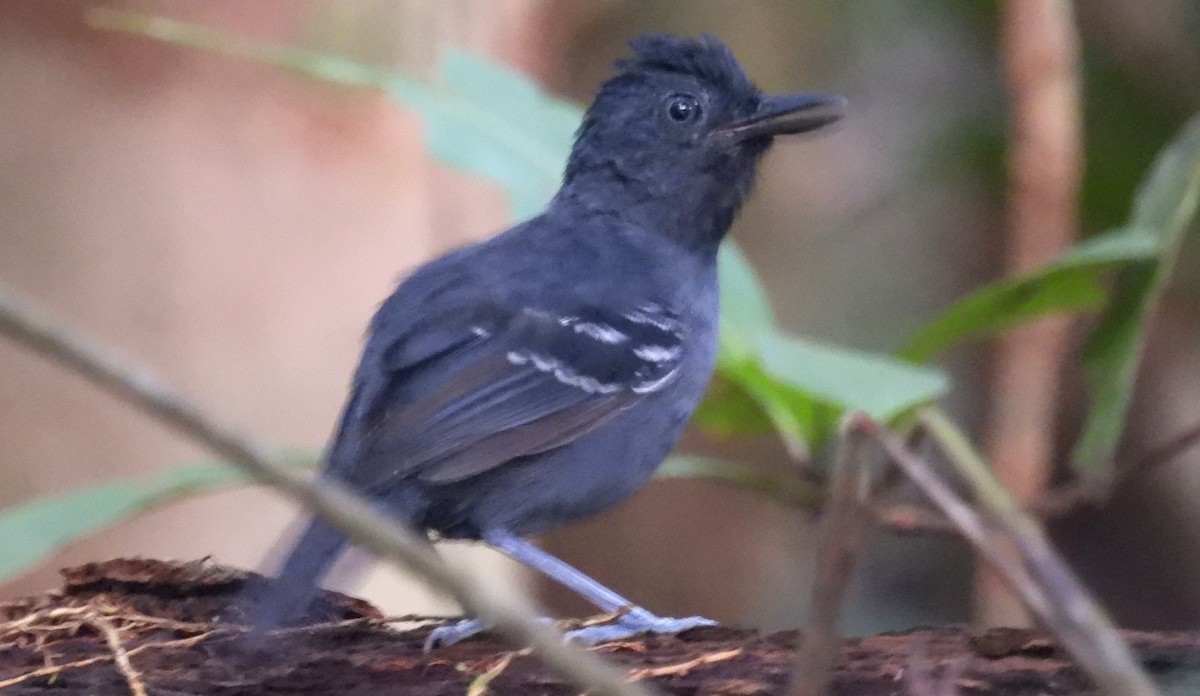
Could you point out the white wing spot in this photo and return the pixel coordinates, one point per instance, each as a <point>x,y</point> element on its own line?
<point>480,331</point>
<point>562,373</point>
<point>658,321</point>
<point>590,385</point>
<point>601,332</point>
<point>657,354</point>
<point>561,319</point>
<point>655,385</point>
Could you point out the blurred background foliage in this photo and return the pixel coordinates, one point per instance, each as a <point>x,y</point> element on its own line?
<point>859,239</point>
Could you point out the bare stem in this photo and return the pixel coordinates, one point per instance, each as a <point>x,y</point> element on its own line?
<point>1023,556</point>
<point>841,536</point>
<point>390,540</point>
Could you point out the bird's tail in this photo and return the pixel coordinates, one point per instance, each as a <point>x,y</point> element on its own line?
<point>286,599</point>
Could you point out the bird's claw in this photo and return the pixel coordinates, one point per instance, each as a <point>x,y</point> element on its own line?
<point>452,633</point>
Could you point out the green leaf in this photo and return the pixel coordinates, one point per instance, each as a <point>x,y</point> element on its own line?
<point>495,122</point>
<point>1070,284</point>
<point>791,491</point>
<point>745,311</point>
<point>323,66</point>
<point>549,120</point>
<point>1165,206</point>
<point>478,116</point>
<point>728,410</point>
<point>796,415</point>
<point>799,386</point>
<point>31,531</point>
<point>878,385</point>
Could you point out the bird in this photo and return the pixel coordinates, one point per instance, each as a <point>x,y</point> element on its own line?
<point>541,376</point>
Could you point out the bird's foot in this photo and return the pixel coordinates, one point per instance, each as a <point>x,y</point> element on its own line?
<point>460,630</point>
<point>625,627</point>
<point>633,624</point>
<point>452,633</point>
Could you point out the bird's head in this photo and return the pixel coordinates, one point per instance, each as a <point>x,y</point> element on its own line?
<point>676,135</point>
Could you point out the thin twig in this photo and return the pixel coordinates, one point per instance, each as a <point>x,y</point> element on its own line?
<point>1065,498</point>
<point>119,654</point>
<point>90,615</point>
<point>1038,575</point>
<point>391,541</point>
<point>23,623</point>
<point>1041,61</point>
<point>965,519</point>
<point>101,618</point>
<point>682,668</point>
<point>1019,551</point>
<point>52,670</point>
<point>479,685</point>
<point>1056,502</point>
<point>1167,451</point>
<point>840,539</point>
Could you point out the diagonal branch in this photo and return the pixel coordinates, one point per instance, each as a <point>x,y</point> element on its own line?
<point>392,541</point>
<point>840,540</point>
<point>1017,548</point>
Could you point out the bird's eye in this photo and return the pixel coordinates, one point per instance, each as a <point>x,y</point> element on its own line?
<point>682,108</point>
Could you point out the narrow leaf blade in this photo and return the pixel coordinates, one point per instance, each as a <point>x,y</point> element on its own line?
<point>36,529</point>
<point>879,385</point>
<point>32,531</point>
<point>1067,285</point>
<point>1165,206</point>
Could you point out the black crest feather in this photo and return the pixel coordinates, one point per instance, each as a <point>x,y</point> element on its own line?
<point>705,58</point>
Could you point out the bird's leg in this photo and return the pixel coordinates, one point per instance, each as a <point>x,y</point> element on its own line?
<point>632,620</point>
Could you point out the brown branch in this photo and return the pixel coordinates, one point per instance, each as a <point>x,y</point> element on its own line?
<point>1063,499</point>
<point>120,655</point>
<point>1168,451</point>
<point>682,668</point>
<point>1041,61</point>
<point>901,518</point>
<point>840,540</point>
<point>354,517</point>
<point>1018,549</point>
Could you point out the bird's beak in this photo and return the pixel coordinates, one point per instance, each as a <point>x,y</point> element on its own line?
<point>785,114</point>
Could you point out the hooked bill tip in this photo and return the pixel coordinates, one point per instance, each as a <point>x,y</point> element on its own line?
<point>787,114</point>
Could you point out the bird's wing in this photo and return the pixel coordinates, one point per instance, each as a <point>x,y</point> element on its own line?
<point>502,384</point>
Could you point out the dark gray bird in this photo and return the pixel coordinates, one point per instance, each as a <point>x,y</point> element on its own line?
<point>541,376</point>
